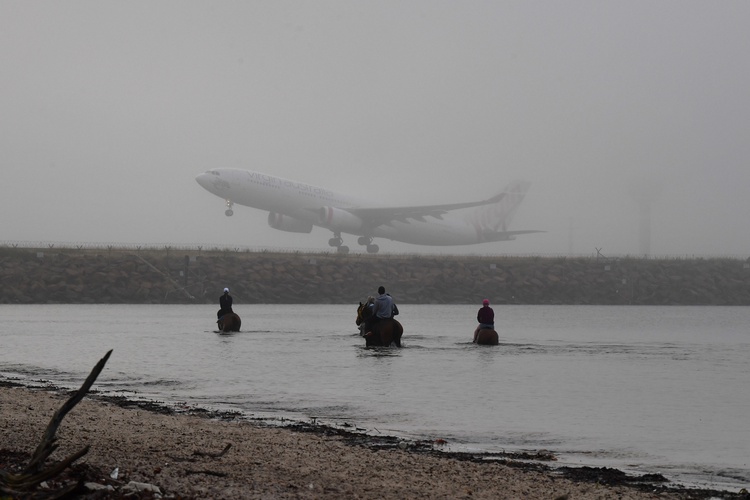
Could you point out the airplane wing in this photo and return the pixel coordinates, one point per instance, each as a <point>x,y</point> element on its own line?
<point>377,216</point>
<point>506,235</point>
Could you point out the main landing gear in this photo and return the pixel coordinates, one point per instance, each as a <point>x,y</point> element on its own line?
<point>337,242</point>
<point>229,212</point>
<point>367,241</point>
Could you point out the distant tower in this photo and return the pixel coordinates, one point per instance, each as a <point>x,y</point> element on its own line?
<point>570,236</point>
<point>645,192</point>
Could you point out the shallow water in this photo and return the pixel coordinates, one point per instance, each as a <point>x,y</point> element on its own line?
<point>643,389</point>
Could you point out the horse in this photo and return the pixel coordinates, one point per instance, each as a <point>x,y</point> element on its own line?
<point>230,322</point>
<point>487,336</point>
<point>383,332</point>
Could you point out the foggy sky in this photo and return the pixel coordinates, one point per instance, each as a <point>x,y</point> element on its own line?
<point>108,111</point>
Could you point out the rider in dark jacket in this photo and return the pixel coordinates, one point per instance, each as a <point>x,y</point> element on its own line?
<point>485,317</point>
<point>225,304</point>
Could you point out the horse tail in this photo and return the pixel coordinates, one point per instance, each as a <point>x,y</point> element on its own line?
<point>398,330</point>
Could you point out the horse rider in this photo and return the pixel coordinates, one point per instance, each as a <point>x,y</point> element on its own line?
<point>384,307</point>
<point>485,317</point>
<point>225,304</point>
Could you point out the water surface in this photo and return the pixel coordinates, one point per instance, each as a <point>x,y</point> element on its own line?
<point>643,389</point>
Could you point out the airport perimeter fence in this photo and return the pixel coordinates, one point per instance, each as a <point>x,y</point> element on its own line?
<point>196,248</point>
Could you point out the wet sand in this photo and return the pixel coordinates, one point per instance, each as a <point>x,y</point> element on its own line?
<point>181,454</point>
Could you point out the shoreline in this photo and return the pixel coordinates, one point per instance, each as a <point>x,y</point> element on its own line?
<point>181,454</point>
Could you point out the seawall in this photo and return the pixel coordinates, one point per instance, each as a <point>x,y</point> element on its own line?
<point>168,276</point>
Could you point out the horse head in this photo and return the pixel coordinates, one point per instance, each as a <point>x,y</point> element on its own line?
<point>359,319</point>
<point>364,311</point>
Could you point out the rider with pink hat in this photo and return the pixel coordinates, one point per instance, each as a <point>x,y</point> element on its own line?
<point>485,317</point>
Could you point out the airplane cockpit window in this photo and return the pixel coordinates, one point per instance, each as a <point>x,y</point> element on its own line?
<point>214,172</point>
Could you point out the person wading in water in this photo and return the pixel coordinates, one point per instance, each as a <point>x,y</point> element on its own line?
<point>225,304</point>
<point>485,317</point>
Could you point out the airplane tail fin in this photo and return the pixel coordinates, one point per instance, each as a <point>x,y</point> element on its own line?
<point>493,220</point>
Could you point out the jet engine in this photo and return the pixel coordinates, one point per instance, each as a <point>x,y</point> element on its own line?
<point>339,220</point>
<point>289,224</point>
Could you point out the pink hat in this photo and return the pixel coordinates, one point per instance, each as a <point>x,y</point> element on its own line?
<point>486,302</point>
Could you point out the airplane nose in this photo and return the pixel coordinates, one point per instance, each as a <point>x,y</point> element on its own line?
<point>211,181</point>
<point>203,180</point>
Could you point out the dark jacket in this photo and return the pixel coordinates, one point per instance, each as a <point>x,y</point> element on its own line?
<point>225,302</point>
<point>486,315</point>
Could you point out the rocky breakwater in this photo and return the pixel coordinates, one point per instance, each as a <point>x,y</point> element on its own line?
<point>170,276</point>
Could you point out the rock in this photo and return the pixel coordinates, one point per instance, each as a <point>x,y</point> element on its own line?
<point>98,487</point>
<point>139,487</point>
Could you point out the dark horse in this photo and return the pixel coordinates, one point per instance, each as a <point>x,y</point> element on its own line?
<point>384,331</point>
<point>230,322</point>
<point>487,336</point>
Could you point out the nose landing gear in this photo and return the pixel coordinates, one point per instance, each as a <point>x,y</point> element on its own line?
<point>229,212</point>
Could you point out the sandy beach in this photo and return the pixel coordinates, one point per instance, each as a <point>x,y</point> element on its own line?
<point>181,454</point>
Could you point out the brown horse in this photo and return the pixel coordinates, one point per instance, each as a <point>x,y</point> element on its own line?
<point>383,331</point>
<point>487,336</point>
<point>230,322</point>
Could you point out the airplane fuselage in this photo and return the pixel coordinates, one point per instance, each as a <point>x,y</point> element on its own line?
<point>296,207</point>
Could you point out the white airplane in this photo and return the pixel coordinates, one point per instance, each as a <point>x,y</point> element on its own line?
<point>297,207</point>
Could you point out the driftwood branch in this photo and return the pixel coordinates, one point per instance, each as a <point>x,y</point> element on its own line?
<point>34,473</point>
<point>189,472</point>
<point>199,453</point>
<point>213,455</point>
